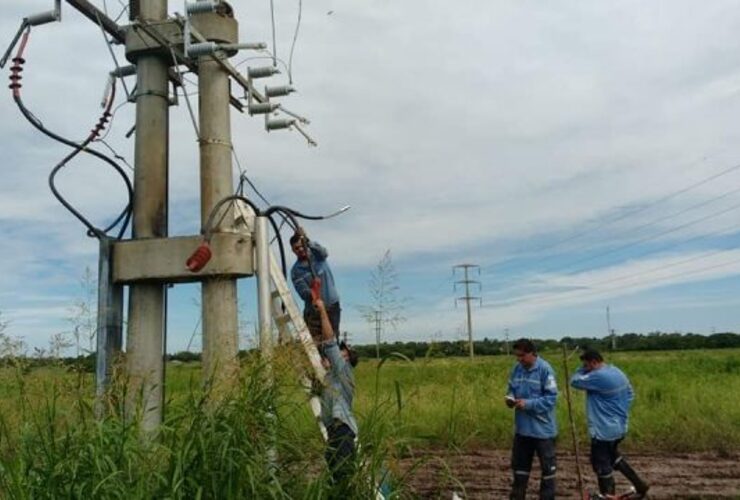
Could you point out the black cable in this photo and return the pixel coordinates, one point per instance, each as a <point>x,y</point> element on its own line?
<point>124,216</point>
<point>208,226</point>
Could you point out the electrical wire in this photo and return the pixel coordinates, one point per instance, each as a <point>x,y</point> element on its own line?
<point>125,215</point>
<point>115,153</point>
<point>270,56</point>
<point>580,294</point>
<point>185,94</point>
<point>274,45</point>
<point>110,51</point>
<point>295,38</point>
<point>653,237</point>
<point>649,224</point>
<point>635,211</point>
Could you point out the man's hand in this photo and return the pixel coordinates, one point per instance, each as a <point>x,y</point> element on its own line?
<point>519,404</point>
<point>319,305</point>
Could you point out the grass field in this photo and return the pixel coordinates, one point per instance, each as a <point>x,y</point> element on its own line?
<point>51,446</point>
<point>685,400</point>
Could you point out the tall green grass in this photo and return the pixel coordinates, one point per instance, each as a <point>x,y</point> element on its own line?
<point>52,447</point>
<point>685,400</point>
<point>257,441</point>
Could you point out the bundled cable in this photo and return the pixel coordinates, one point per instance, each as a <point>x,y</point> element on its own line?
<point>125,216</point>
<point>202,254</point>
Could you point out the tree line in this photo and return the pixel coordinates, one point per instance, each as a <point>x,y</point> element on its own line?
<point>488,347</point>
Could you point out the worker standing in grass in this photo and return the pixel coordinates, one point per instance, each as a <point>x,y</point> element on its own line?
<point>310,256</point>
<point>532,393</point>
<point>609,397</point>
<point>336,404</point>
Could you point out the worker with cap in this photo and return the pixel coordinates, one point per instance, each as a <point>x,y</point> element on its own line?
<point>532,392</point>
<point>609,397</point>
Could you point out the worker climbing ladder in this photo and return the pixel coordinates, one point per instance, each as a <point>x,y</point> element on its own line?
<point>286,315</point>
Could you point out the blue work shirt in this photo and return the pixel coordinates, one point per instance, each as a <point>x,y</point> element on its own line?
<point>539,390</point>
<point>609,397</point>
<point>337,396</point>
<point>301,276</point>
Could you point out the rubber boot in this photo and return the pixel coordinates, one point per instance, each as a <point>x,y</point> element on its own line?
<point>640,486</point>
<point>606,485</point>
<point>547,489</point>
<point>519,488</point>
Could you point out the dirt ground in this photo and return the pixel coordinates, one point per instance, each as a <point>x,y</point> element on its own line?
<point>486,474</point>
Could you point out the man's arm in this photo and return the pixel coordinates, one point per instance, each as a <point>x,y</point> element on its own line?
<point>585,381</point>
<point>331,349</point>
<point>300,285</point>
<point>319,252</point>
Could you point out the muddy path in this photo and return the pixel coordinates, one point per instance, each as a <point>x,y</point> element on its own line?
<point>485,473</point>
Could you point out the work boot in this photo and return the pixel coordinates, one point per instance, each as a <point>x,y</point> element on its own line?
<point>519,488</point>
<point>606,485</point>
<point>641,486</point>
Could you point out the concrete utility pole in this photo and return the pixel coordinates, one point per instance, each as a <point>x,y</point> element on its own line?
<point>146,318</point>
<point>467,298</point>
<point>506,339</point>
<point>202,40</point>
<point>219,297</point>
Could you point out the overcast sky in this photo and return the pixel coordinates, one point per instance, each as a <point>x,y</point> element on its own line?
<point>581,153</point>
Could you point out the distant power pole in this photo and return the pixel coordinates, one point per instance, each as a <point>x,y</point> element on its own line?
<point>610,330</point>
<point>506,340</point>
<point>467,298</point>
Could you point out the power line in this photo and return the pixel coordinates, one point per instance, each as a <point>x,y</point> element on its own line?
<point>637,210</point>
<point>295,38</point>
<point>651,270</point>
<point>274,44</point>
<point>651,237</point>
<point>654,222</point>
<point>580,294</point>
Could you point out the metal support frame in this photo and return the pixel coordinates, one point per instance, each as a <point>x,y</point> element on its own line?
<point>110,321</point>
<point>264,298</point>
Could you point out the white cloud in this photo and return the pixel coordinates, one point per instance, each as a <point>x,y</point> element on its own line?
<point>473,128</point>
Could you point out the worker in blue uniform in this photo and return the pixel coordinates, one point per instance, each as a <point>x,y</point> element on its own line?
<point>532,393</point>
<point>312,263</point>
<point>609,397</point>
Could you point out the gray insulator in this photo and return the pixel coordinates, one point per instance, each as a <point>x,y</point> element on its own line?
<point>42,18</point>
<point>202,49</point>
<point>200,7</point>
<point>261,108</point>
<point>279,91</point>
<point>279,123</point>
<point>262,72</point>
